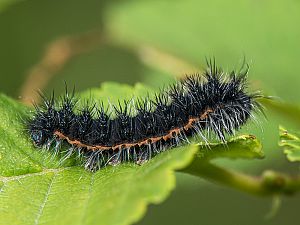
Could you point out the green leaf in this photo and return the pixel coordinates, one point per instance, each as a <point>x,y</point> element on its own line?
<point>114,195</point>
<point>35,189</point>
<point>16,154</point>
<point>241,147</point>
<point>290,143</point>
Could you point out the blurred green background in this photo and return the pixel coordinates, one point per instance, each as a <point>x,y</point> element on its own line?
<point>265,32</point>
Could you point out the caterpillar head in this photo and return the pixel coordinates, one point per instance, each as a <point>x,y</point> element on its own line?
<point>38,137</point>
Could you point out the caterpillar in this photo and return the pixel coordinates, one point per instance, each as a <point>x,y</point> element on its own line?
<point>214,102</point>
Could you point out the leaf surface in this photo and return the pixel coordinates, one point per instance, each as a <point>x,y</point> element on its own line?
<point>36,189</point>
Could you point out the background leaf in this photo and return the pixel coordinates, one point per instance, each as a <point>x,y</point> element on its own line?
<point>289,110</point>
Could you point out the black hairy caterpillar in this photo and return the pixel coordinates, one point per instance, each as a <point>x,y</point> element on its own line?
<point>214,102</point>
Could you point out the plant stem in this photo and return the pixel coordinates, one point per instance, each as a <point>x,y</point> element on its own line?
<point>269,183</point>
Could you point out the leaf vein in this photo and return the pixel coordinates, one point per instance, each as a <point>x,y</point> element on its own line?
<point>41,209</point>
<point>88,198</point>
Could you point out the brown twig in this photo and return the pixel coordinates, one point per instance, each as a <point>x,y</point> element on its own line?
<point>62,50</point>
<point>56,56</point>
<point>156,58</point>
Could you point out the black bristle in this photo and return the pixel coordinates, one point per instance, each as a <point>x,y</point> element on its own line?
<point>196,105</point>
